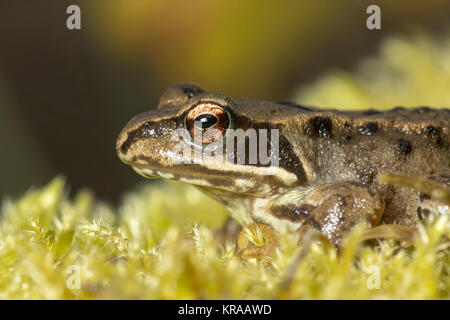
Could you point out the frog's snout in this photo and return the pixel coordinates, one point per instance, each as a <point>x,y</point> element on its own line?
<point>124,144</point>
<point>120,146</point>
<point>149,140</point>
<point>138,128</point>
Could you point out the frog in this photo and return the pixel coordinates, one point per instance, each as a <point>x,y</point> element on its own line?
<point>324,178</point>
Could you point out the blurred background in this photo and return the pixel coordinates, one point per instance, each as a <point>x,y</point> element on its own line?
<point>65,95</point>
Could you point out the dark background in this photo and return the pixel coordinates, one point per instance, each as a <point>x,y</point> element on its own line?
<point>65,95</point>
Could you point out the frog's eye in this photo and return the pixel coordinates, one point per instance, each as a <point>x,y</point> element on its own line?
<point>207,122</point>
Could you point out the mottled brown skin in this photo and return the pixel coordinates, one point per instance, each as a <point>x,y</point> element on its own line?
<point>329,161</point>
<point>356,147</point>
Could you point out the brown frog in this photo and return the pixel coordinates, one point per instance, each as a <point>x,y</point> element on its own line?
<point>283,166</point>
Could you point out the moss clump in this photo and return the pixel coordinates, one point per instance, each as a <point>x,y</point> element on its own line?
<point>53,247</point>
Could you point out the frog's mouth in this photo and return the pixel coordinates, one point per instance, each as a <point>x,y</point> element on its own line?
<point>195,179</point>
<point>147,173</point>
<point>180,174</point>
<point>255,184</point>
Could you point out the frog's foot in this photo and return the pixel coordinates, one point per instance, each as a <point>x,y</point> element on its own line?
<point>336,208</point>
<point>434,196</point>
<point>436,187</point>
<point>257,240</point>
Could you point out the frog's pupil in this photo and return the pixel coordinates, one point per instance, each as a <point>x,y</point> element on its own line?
<point>206,120</point>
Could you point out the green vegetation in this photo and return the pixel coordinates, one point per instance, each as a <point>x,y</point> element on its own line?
<point>408,72</point>
<point>143,251</point>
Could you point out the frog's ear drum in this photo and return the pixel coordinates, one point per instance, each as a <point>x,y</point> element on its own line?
<point>177,95</point>
<point>207,122</point>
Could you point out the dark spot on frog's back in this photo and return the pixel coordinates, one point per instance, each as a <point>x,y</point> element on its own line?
<point>369,128</point>
<point>430,131</point>
<point>346,138</point>
<point>423,196</point>
<point>403,146</point>
<point>319,125</point>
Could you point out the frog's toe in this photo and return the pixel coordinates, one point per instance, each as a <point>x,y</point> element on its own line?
<point>436,187</point>
<point>258,241</point>
<point>391,231</point>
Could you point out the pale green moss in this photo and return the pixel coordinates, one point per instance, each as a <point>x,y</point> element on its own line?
<point>151,248</point>
<point>144,253</point>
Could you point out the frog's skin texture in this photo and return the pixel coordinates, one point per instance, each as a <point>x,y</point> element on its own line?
<point>328,164</point>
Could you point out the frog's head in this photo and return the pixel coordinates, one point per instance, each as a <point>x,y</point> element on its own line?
<point>188,138</point>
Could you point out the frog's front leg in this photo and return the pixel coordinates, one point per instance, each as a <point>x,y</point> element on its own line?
<point>331,209</point>
<point>334,209</point>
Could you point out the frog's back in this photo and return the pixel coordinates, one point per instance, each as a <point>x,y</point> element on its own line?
<point>356,145</point>
<point>408,141</point>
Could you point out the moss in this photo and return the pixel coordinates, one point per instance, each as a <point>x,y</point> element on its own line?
<point>407,72</point>
<point>52,247</point>
<point>160,243</point>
